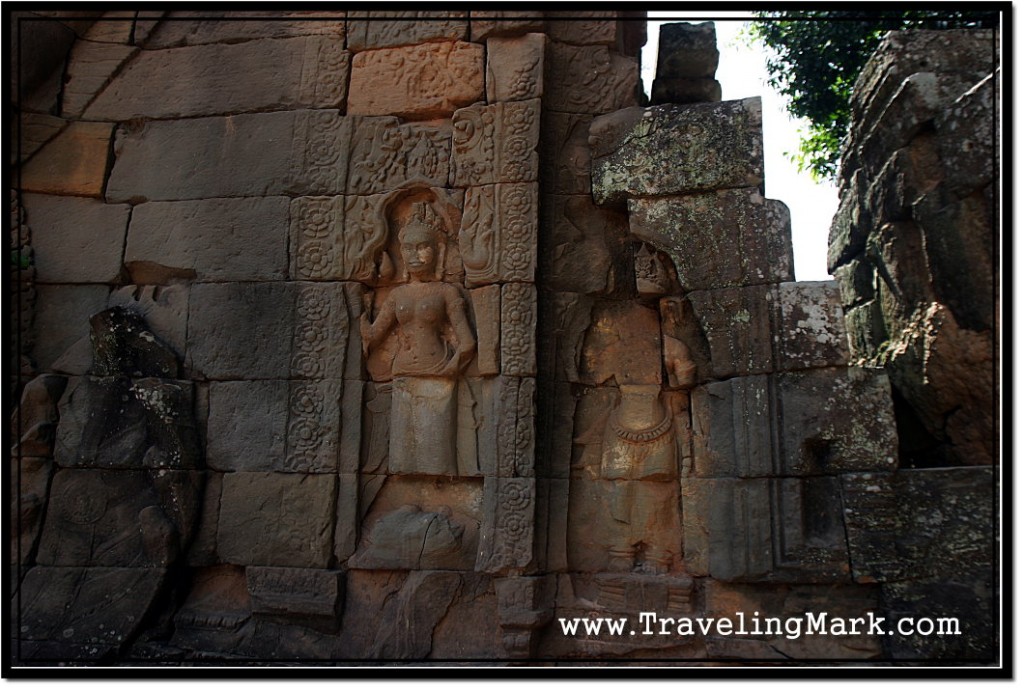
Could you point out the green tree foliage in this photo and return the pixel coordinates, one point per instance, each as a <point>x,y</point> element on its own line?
<point>816,57</point>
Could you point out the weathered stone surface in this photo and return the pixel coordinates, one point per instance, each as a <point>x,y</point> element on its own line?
<point>409,618</point>
<point>247,426</point>
<point>576,233</point>
<point>484,24</point>
<point>36,129</point>
<point>91,65</point>
<point>965,138</point>
<point>727,528</point>
<point>74,162</point>
<point>429,80</point>
<point>74,613</point>
<point>117,518</point>
<point>498,235</point>
<point>203,550</point>
<point>917,524</point>
<point>811,328</point>
<point>62,318</point>
<point>496,143</point>
<point>310,597</point>
<point>348,516</point>
<point>642,152</point>
<point>718,239</point>
<point>518,330</point>
<point>687,51</point>
<point>217,79</point>
<point>386,28</point>
<point>217,612</point>
<point>584,28</point>
<point>487,311</point>
<point>566,318</point>
<point>226,320</point>
<point>387,154</point>
<point>31,477</point>
<point>524,605</point>
<point>76,240</point>
<point>732,428</point>
<point>185,28</point>
<point>739,603</point>
<point>262,154</point>
<point>34,422</point>
<point>737,323</point>
<point>623,346</point>
<point>208,240</point>
<point>588,79</point>
<point>506,428</point>
<point>506,535</point>
<point>665,90</point>
<point>515,68</point>
<point>411,538</point>
<point>565,152</point>
<point>850,225</point>
<point>276,519</point>
<point>164,309</point>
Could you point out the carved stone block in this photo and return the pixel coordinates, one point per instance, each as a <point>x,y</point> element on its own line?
<point>31,477</point>
<point>685,91</point>
<point>118,517</point>
<point>75,162</point>
<point>518,330</point>
<point>588,79</point>
<point>484,24</point>
<point>276,519</point>
<point>498,237</point>
<point>732,428</point>
<point>687,50</point>
<point>495,143</point>
<point>226,319</point>
<point>260,154</point>
<point>221,79</point>
<point>76,613</point>
<point>387,154</point>
<point>641,152</point>
<point>966,143</point>
<point>403,625</point>
<point>576,233</point>
<point>727,528</point>
<point>185,28</point>
<point>811,329</point>
<point>718,239</point>
<point>217,612</point>
<point>623,346</point>
<point>386,28</point>
<point>566,318</point>
<point>524,605</point>
<point>74,239</point>
<point>506,535</point>
<point>507,432</point>
<point>565,152</point>
<point>515,68</point>
<point>587,27</point>
<point>487,311</point>
<point>915,524</point>
<point>429,80</point>
<point>306,596</point>
<point>348,516</point>
<point>737,323</point>
<point>208,240</point>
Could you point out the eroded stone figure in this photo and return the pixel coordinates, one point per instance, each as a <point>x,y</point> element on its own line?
<point>435,344</point>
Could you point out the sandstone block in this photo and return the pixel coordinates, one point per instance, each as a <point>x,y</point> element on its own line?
<point>62,319</point>
<point>484,24</point>
<point>348,516</point>
<point>914,524</point>
<point>623,346</point>
<point>811,329</point>
<point>227,319</point>
<point>36,129</point>
<point>732,428</point>
<point>220,79</point>
<point>496,143</point>
<point>576,233</point>
<point>164,309</point>
<point>737,323</point>
<point>718,239</point>
<point>566,318</point>
<point>277,519</point>
<point>665,90</point>
<point>203,550</point>
<point>75,162</point>
<point>254,155</point>
<point>487,310</point>
<point>565,152</point>
<point>388,28</point>
<point>76,240</point>
<point>506,535</point>
<point>387,154</point>
<point>518,330</point>
<point>588,79</point>
<point>247,426</point>
<point>208,240</point>
<point>965,139</point>
<point>31,477</point>
<point>429,80</point>
<point>515,68</point>
<point>687,51</point>
<point>850,225</point>
<point>727,531</point>
<point>186,29</point>
<point>403,625</point>
<point>865,328</point>
<point>307,596</point>
<point>584,28</point>
<point>91,65</point>
<point>644,152</point>
<point>498,236</point>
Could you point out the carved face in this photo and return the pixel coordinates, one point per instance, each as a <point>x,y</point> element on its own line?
<point>419,249</point>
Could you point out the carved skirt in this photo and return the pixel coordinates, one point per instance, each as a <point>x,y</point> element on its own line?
<point>423,414</point>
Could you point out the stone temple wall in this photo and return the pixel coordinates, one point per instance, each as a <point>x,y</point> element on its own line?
<point>407,338</point>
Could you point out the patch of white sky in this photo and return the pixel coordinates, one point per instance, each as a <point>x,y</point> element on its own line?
<point>742,74</point>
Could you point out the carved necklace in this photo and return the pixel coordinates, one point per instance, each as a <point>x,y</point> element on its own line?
<point>640,436</point>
